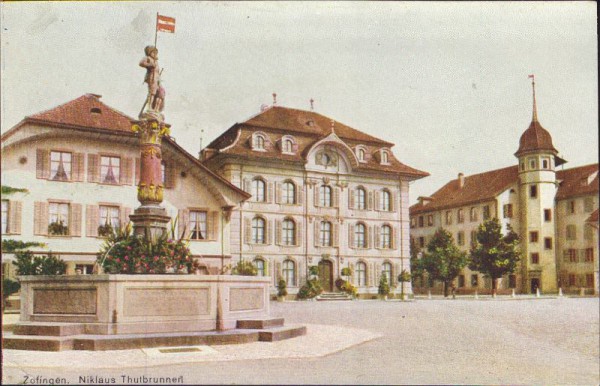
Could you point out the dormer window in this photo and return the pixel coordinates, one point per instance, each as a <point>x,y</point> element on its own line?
<point>259,142</point>
<point>361,155</point>
<point>95,110</point>
<point>384,157</point>
<point>288,145</point>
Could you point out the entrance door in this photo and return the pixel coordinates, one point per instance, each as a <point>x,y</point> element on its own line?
<point>326,275</point>
<point>535,284</point>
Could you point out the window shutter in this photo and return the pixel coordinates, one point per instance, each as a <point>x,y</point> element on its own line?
<point>183,216</point>
<point>270,192</point>
<point>350,198</point>
<point>336,197</point>
<point>335,235</point>
<point>92,218</point>
<point>93,168</point>
<point>78,167</point>
<point>125,212</point>
<point>316,195</point>
<point>14,221</point>
<point>369,230</point>
<point>316,233</point>
<point>75,221</point>
<point>376,199</point>
<point>393,203</point>
<point>299,233</point>
<point>278,272</point>
<point>278,225</point>
<point>247,186</point>
<point>212,224</point>
<point>138,166</point>
<point>351,235</point>
<point>277,193</point>
<point>269,231</point>
<point>299,194</point>
<point>377,236</point>
<point>42,163</point>
<point>394,237</point>
<point>40,218</point>
<point>370,201</point>
<point>126,171</point>
<point>248,233</point>
<point>169,175</point>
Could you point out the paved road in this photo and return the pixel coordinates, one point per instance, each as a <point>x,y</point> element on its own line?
<point>534,341</point>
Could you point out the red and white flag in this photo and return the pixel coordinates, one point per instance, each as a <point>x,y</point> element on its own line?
<point>531,76</point>
<point>165,23</point>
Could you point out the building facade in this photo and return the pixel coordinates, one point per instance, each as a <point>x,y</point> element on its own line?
<point>323,194</point>
<point>551,210</point>
<point>79,164</point>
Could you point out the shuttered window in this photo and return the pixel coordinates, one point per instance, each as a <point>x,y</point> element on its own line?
<point>361,199</point>
<point>58,219</point>
<point>361,274</point>
<point>260,267</point>
<point>198,224</point>
<point>325,196</point>
<point>60,166</point>
<point>289,273</point>
<point>110,169</point>
<point>325,234</point>
<point>360,235</point>
<point>288,193</point>
<point>387,272</point>
<point>4,216</point>
<point>258,230</point>
<point>386,237</point>
<point>109,215</point>
<point>288,232</point>
<point>258,190</point>
<point>386,199</point>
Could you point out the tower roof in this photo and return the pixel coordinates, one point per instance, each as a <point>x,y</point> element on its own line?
<point>535,138</point>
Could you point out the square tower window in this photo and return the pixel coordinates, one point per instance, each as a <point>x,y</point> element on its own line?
<point>547,215</point>
<point>533,237</point>
<point>535,258</point>
<point>533,191</point>
<point>548,242</point>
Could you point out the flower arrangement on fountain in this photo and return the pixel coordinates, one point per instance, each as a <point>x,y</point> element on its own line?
<point>126,253</point>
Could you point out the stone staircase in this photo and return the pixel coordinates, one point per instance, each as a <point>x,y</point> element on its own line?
<point>333,296</point>
<point>71,336</point>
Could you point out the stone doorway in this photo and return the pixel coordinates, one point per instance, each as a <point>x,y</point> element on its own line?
<point>535,284</point>
<point>326,275</point>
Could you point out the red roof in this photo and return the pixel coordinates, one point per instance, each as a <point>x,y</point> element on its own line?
<point>477,188</point>
<point>535,138</point>
<point>593,217</point>
<point>85,111</point>
<point>578,181</point>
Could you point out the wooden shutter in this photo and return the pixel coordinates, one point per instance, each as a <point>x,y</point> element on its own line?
<point>93,168</point>
<point>316,195</point>
<point>40,218</point>
<point>248,230</point>
<point>370,271</point>
<point>376,199</point>
<point>138,163</point>
<point>78,167</point>
<point>394,237</point>
<point>126,177</point>
<point>183,218</point>
<point>278,225</point>
<point>170,175</point>
<point>268,231</point>
<point>377,236</point>
<point>92,220</point>
<point>370,201</point>
<point>369,236</point>
<point>351,193</point>
<point>278,274</point>
<point>42,163</point>
<point>75,220</point>
<point>316,232</point>
<point>394,201</point>
<point>335,234</point>
<point>351,235</point>
<point>212,224</point>
<point>14,220</point>
<point>277,193</point>
<point>125,212</point>
<point>299,194</point>
<point>299,233</point>
<point>270,192</point>
<point>336,197</point>
<point>395,273</point>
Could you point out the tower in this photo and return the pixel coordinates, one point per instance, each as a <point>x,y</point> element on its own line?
<point>538,160</point>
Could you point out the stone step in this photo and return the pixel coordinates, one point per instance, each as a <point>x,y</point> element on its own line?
<point>259,324</point>
<point>280,333</point>
<point>333,296</point>
<point>48,329</point>
<point>37,343</point>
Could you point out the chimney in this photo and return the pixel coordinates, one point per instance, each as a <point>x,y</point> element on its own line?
<point>461,180</point>
<point>424,200</point>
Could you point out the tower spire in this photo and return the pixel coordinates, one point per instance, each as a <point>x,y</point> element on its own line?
<point>534,118</point>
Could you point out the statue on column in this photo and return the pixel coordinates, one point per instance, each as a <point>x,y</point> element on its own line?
<point>156,92</point>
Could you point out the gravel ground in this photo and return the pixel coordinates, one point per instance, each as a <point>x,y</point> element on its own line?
<point>462,341</point>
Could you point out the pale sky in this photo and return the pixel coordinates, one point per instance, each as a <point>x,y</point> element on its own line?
<point>446,82</point>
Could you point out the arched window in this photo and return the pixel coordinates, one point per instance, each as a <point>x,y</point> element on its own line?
<point>325,234</point>
<point>361,274</point>
<point>361,155</point>
<point>288,193</point>
<point>260,267</point>
<point>361,199</point>
<point>386,201</point>
<point>289,272</point>
<point>385,237</point>
<point>288,232</point>
<point>360,233</point>
<point>387,271</point>
<point>258,190</point>
<point>259,142</point>
<point>384,157</point>
<point>325,196</point>
<point>287,146</point>
<point>258,230</point>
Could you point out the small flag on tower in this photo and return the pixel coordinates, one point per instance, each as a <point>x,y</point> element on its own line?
<point>165,23</point>
<point>531,76</point>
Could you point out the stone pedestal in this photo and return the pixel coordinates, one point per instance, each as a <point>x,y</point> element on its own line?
<point>150,221</point>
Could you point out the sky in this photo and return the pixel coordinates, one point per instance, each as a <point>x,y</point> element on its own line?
<point>446,82</point>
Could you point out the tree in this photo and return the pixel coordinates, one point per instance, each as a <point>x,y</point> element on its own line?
<point>443,260</point>
<point>494,254</point>
<point>415,263</point>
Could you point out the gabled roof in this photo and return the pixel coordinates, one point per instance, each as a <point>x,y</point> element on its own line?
<point>477,188</point>
<point>578,181</point>
<point>593,218</point>
<point>85,111</point>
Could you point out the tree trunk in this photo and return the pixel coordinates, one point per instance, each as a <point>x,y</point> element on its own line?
<point>445,289</point>
<point>494,286</point>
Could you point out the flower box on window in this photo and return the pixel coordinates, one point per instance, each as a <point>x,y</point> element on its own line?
<point>58,229</point>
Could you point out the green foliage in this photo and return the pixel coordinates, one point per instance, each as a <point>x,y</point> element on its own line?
<point>58,228</point>
<point>313,270</point>
<point>10,246</point>
<point>310,289</point>
<point>126,253</point>
<point>384,286</point>
<point>346,271</point>
<point>9,287</point>
<point>443,260</point>
<point>494,254</point>
<point>350,289</point>
<point>105,230</point>
<point>28,264</point>
<point>244,268</point>
<point>6,190</point>
<point>339,282</point>
<point>415,263</point>
<point>404,276</point>
<point>281,288</point>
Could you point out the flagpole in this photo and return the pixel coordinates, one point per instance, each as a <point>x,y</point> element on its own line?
<point>156,30</point>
